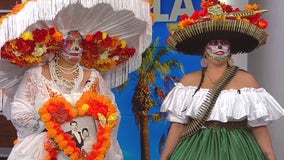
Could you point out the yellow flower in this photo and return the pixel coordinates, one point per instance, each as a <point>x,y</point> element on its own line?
<point>27,36</point>
<point>218,18</point>
<point>104,35</point>
<point>85,107</point>
<point>112,117</point>
<point>123,43</point>
<point>31,60</point>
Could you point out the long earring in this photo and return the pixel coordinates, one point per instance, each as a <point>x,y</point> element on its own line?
<point>231,62</point>
<point>203,62</point>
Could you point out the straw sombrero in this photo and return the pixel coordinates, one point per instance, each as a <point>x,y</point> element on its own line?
<point>243,29</point>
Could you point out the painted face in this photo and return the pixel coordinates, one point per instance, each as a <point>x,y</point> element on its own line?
<point>72,46</point>
<point>218,49</point>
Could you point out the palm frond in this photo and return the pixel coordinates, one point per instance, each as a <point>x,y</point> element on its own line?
<point>157,117</point>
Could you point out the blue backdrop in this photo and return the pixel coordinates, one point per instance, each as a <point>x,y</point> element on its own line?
<point>129,135</point>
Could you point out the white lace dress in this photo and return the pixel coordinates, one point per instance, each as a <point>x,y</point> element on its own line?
<point>31,94</point>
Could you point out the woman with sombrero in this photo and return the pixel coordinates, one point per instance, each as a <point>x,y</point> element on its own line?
<point>60,51</point>
<point>219,112</point>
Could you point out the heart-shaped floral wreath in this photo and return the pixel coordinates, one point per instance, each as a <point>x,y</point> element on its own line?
<point>57,111</point>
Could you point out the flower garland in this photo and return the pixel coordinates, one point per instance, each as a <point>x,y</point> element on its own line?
<point>102,52</point>
<point>58,111</point>
<point>31,47</point>
<point>204,15</point>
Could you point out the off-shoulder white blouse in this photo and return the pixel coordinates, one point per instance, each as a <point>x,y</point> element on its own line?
<point>255,105</point>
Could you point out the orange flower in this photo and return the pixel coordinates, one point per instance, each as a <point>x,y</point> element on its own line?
<point>252,7</point>
<point>31,47</point>
<point>90,104</point>
<point>45,117</point>
<point>52,133</point>
<point>102,52</point>
<point>186,22</point>
<point>203,15</point>
<point>68,150</point>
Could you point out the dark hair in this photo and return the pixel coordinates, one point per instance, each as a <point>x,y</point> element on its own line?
<point>201,81</point>
<point>85,129</point>
<point>73,122</point>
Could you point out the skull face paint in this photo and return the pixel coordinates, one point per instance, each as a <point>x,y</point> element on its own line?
<point>218,49</point>
<point>72,46</point>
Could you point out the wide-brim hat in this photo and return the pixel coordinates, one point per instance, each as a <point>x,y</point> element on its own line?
<point>237,27</point>
<point>129,20</point>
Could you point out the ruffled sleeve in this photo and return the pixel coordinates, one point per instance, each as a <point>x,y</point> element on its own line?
<point>255,105</point>
<point>263,107</point>
<point>176,102</point>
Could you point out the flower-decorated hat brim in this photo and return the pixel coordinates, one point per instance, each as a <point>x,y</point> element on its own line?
<point>129,20</point>
<point>243,37</point>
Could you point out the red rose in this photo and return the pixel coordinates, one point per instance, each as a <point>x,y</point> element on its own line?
<point>40,35</point>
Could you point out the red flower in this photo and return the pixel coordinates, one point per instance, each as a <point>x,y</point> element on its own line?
<point>40,35</point>
<point>262,24</point>
<point>98,35</point>
<point>51,31</point>
<point>184,17</point>
<point>25,46</point>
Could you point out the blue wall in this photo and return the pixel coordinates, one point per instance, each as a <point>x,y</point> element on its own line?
<point>129,136</point>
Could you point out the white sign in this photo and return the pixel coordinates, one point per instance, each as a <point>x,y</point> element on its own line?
<point>176,10</point>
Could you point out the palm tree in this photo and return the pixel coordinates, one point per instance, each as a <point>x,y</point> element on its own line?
<point>153,68</point>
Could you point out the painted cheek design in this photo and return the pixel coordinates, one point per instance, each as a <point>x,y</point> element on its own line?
<point>218,49</point>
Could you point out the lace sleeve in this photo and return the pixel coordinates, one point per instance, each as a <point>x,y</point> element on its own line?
<point>23,113</point>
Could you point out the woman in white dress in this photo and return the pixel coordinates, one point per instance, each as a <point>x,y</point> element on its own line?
<point>88,140</point>
<point>63,76</point>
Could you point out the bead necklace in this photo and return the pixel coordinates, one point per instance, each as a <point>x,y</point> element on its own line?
<point>61,82</point>
<point>67,70</point>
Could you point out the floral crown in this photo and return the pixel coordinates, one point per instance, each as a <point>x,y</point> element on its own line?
<point>100,51</point>
<point>31,47</point>
<point>214,19</point>
<point>216,10</point>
